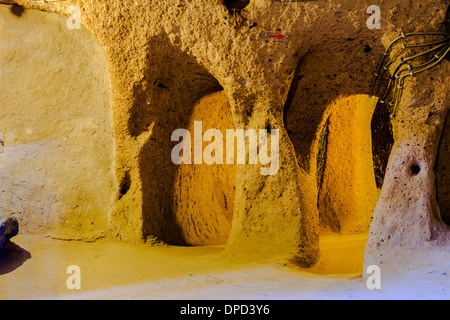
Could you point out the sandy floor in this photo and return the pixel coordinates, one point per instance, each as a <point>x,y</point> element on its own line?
<point>34,267</point>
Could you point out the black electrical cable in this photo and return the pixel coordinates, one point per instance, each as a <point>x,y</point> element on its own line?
<point>439,50</point>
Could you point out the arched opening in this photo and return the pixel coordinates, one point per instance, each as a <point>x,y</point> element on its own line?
<point>442,170</point>
<point>56,168</point>
<point>332,133</point>
<point>204,193</point>
<point>382,141</point>
<point>330,127</point>
<point>348,192</point>
<point>183,204</point>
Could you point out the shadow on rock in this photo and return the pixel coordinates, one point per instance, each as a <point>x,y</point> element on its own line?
<point>12,257</point>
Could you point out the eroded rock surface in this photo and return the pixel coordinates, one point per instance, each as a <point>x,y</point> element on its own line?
<point>165,56</point>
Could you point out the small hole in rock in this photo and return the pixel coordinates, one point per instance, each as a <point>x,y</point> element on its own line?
<point>125,185</point>
<point>17,10</point>
<point>415,169</point>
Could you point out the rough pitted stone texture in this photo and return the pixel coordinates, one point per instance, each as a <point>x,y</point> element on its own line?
<point>164,56</point>
<point>56,168</point>
<point>407,214</point>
